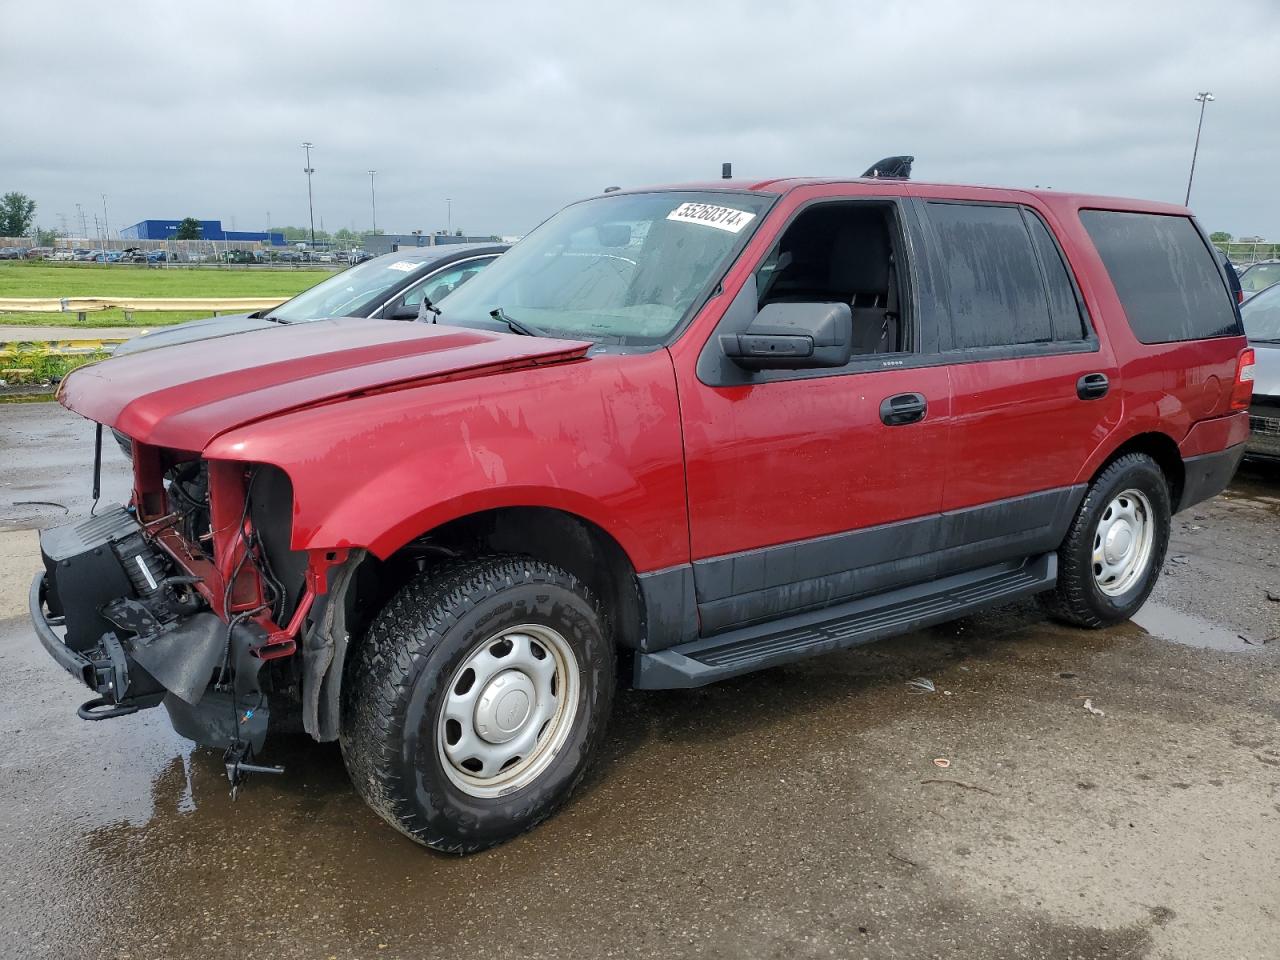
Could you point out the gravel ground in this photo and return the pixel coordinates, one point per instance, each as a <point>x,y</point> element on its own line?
<point>795,813</point>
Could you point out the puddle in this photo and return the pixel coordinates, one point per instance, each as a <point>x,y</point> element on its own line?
<point>1257,484</point>
<point>1189,630</point>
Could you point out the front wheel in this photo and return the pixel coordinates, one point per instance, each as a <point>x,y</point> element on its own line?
<point>1113,552</point>
<point>477,700</point>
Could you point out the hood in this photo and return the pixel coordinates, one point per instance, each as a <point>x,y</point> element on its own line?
<point>187,394</point>
<point>1266,369</point>
<point>194,330</point>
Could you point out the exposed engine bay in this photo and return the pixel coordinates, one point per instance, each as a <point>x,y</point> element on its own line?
<point>167,601</point>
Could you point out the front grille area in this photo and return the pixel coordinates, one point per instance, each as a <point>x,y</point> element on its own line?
<point>1267,426</point>
<point>1264,428</point>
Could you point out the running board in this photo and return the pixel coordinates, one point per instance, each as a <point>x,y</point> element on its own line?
<point>844,625</point>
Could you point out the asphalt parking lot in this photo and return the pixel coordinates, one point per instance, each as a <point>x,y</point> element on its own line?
<point>798,812</point>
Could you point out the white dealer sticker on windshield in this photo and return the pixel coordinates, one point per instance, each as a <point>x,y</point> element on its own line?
<point>722,218</point>
<point>404,266</point>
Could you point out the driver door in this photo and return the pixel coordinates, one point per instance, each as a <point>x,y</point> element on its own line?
<point>802,491</point>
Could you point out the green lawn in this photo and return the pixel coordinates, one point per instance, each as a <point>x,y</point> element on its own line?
<point>35,366</point>
<point>37,279</point>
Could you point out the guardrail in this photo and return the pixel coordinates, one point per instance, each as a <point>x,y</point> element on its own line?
<point>130,305</point>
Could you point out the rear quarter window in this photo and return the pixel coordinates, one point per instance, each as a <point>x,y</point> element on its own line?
<point>1165,275</point>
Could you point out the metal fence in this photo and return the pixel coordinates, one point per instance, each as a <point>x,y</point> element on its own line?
<point>1244,252</point>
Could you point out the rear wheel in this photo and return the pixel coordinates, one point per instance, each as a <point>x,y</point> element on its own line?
<point>477,701</point>
<point>1113,552</point>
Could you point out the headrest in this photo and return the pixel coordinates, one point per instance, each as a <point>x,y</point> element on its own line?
<point>860,259</point>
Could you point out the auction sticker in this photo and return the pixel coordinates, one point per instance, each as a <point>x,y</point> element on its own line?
<point>709,215</point>
<point>404,266</point>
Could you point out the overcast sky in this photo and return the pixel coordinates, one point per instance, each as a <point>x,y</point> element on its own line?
<point>513,109</point>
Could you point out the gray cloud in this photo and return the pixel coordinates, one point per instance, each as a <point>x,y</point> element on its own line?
<point>174,109</point>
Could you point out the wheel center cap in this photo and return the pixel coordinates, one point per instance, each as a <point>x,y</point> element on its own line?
<point>504,706</point>
<point>1119,540</point>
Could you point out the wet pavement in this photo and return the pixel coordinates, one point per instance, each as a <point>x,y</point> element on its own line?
<point>794,813</point>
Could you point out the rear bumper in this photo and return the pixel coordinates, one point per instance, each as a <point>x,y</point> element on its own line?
<point>1207,475</point>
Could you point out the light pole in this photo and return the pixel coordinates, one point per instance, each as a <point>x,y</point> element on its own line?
<point>1203,97</point>
<point>449,215</point>
<point>106,230</point>
<point>309,170</point>
<point>373,200</point>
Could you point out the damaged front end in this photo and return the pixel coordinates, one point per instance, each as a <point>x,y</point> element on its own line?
<point>191,597</point>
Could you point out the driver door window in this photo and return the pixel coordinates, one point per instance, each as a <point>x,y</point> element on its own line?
<point>842,253</point>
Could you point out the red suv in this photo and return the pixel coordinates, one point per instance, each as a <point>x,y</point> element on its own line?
<point>672,436</point>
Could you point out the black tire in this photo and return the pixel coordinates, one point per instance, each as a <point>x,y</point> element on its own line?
<point>397,679</point>
<point>1077,599</point>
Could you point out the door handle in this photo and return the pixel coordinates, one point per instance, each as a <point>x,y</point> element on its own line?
<point>1092,386</point>
<point>903,408</point>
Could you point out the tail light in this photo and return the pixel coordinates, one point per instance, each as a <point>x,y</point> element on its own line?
<point>1239,296</point>
<point>1242,393</point>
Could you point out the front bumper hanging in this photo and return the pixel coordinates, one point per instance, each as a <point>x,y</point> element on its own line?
<point>107,674</point>
<point>105,611</point>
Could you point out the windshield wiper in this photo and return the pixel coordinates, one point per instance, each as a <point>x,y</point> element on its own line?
<point>515,325</point>
<point>1264,339</point>
<point>275,319</point>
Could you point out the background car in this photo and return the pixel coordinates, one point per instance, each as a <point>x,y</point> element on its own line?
<point>391,286</point>
<point>1258,277</point>
<point>1261,314</point>
<point>1233,277</point>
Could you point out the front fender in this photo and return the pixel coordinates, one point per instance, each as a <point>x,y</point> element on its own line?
<point>598,438</point>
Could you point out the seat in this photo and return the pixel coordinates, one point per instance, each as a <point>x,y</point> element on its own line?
<point>861,270</point>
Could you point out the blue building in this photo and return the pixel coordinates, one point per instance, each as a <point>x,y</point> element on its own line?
<point>209,230</point>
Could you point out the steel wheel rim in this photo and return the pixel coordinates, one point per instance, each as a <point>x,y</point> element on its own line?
<point>508,710</point>
<point>1123,542</point>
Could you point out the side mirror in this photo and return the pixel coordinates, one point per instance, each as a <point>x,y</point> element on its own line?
<point>402,311</point>
<point>793,336</point>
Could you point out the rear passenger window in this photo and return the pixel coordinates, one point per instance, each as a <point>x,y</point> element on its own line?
<point>1167,279</point>
<point>996,289</point>
<point>1064,308</point>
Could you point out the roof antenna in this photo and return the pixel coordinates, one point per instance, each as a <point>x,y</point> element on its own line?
<point>726,171</point>
<point>891,168</point>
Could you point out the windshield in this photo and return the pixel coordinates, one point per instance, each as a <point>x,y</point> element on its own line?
<point>627,267</point>
<point>1259,277</point>
<point>347,291</point>
<point>1261,315</point>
